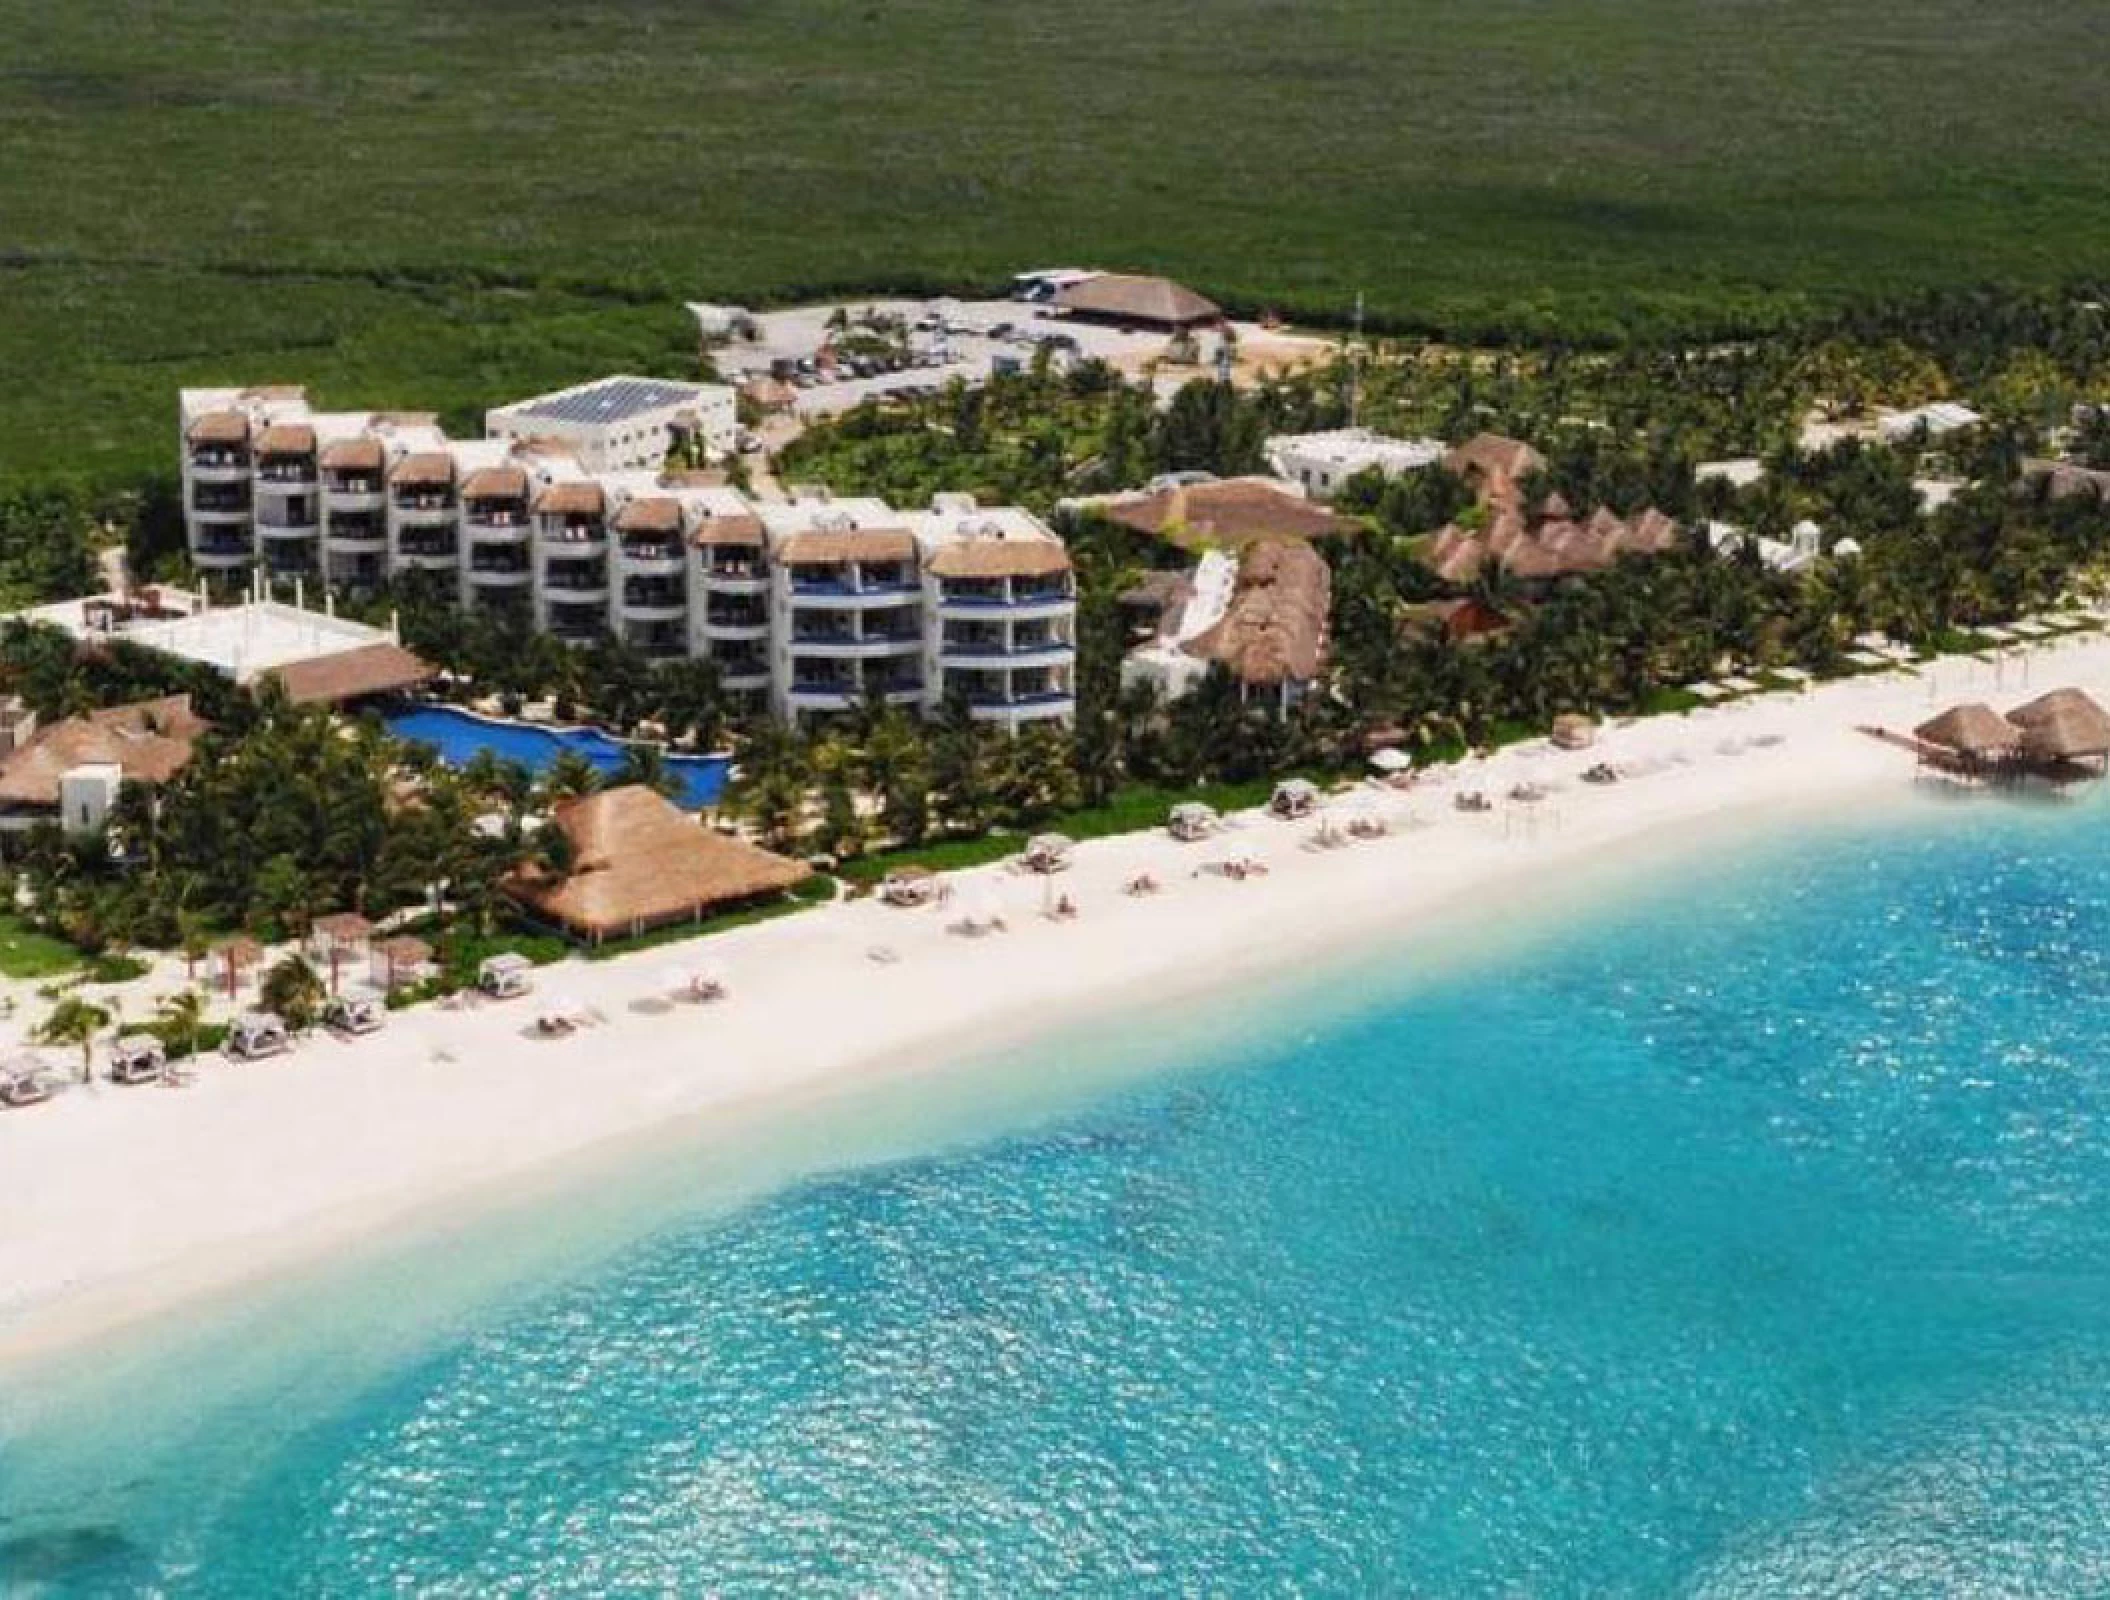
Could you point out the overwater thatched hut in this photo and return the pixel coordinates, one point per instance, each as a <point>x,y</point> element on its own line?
<point>1973,737</point>
<point>2064,729</point>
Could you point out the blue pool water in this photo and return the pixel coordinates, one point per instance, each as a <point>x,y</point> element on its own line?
<point>458,736</point>
<point>1751,1239</point>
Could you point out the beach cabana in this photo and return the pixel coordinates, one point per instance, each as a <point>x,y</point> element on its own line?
<point>399,960</point>
<point>1047,852</point>
<point>257,1034</point>
<point>1192,820</point>
<point>909,886</point>
<point>353,1015</point>
<point>1390,761</point>
<point>137,1058</point>
<point>638,862</point>
<point>26,1082</point>
<point>505,976</point>
<point>2064,728</point>
<point>1973,737</point>
<point>1293,797</point>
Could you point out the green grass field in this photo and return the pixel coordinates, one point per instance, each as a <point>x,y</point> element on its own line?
<point>444,202</point>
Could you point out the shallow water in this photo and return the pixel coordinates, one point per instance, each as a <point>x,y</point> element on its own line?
<point>1748,1240</point>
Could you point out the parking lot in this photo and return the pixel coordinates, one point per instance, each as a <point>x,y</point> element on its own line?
<point>965,339</point>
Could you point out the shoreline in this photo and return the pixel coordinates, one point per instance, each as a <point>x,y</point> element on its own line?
<point>449,1116</point>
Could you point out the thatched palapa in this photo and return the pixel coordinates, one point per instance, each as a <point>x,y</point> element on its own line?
<point>2063,726</point>
<point>638,863</point>
<point>150,741</point>
<point>1274,632</point>
<point>1231,513</point>
<point>352,675</point>
<point>1121,297</point>
<point>1975,732</point>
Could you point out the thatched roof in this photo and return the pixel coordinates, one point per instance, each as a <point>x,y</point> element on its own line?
<point>2064,725</point>
<point>1000,558</point>
<point>495,483</point>
<point>344,927</point>
<point>849,544</point>
<point>658,513</point>
<point>363,454</point>
<point>578,498</point>
<point>220,427</point>
<point>424,466</point>
<point>1126,298</point>
<point>1493,457</point>
<point>1231,512</point>
<point>1275,628</point>
<point>741,529</point>
<point>286,439</point>
<point>352,674</point>
<point>150,740</point>
<point>1972,730</point>
<point>637,862</point>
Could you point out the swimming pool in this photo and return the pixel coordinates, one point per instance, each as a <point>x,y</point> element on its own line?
<point>459,735</point>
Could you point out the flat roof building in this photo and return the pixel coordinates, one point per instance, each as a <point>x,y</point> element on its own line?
<point>622,423</point>
<point>1320,463</point>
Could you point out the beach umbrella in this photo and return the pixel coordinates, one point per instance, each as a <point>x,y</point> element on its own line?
<point>1390,760</point>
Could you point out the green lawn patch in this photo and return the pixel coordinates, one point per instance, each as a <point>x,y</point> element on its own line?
<point>26,953</point>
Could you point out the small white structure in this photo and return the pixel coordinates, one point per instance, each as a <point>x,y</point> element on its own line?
<point>1293,797</point>
<point>714,323</point>
<point>137,1058</point>
<point>622,423</point>
<point>1321,462</point>
<point>354,1014</point>
<point>1739,473</point>
<point>909,886</point>
<point>1803,547</point>
<point>1943,416</point>
<point>87,794</point>
<point>506,975</point>
<point>1191,820</point>
<point>256,1034</point>
<point>1044,283</point>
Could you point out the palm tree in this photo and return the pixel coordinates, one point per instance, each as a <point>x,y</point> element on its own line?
<point>75,1021</point>
<point>646,764</point>
<point>294,991</point>
<point>183,1014</point>
<point>569,776</point>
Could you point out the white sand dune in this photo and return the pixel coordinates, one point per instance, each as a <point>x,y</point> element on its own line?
<point>127,1202</point>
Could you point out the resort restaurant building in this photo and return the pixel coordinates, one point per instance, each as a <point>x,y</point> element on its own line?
<point>806,607</point>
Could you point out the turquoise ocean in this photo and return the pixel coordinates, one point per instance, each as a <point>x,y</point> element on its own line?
<point>1740,1228</point>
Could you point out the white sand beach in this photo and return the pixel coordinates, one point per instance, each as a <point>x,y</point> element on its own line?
<point>126,1202</point>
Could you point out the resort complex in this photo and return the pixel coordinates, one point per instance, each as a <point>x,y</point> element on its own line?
<point>806,605</point>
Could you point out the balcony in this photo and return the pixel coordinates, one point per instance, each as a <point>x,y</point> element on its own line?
<point>292,472</point>
<point>354,571</point>
<point>577,624</point>
<point>217,550</point>
<point>219,466</point>
<point>223,505</point>
<point>288,522</point>
<point>427,553</point>
<point>353,490</point>
<point>657,640</point>
<point>736,577</point>
<point>424,509</point>
<point>487,573</point>
<point>651,557</point>
<point>287,560</point>
<point>729,622</point>
<point>964,598</point>
<point>1029,650</point>
<point>356,533</point>
<point>657,601</point>
<point>848,585</point>
<point>848,644</point>
<point>495,522</point>
<point>1054,706</point>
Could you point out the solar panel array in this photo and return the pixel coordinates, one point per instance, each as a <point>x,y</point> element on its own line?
<point>612,400</point>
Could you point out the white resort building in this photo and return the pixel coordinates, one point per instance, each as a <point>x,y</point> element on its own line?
<point>1320,463</point>
<point>806,606</point>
